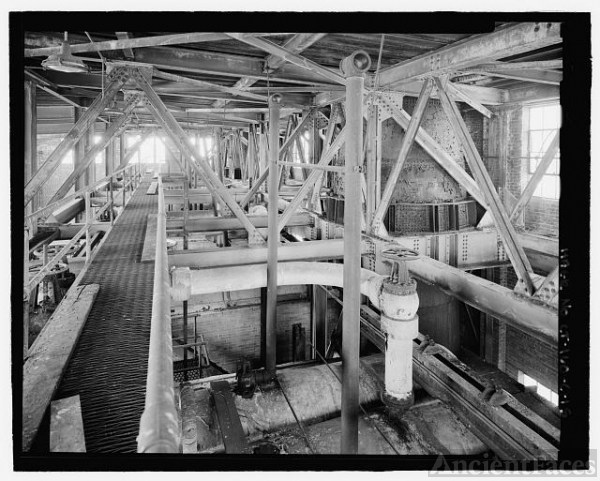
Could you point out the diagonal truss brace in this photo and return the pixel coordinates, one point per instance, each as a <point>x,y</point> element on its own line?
<point>536,177</point>
<point>505,228</point>
<point>115,128</point>
<point>117,78</point>
<point>173,129</point>
<point>134,148</point>
<point>312,178</point>
<point>407,143</point>
<point>288,142</point>
<point>437,153</point>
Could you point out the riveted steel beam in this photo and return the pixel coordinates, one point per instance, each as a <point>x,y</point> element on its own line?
<point>114,130</point>
<point>129,43</point>
<point>502,43</point>
<point>166,120</point>
<point>507,232</point>
<point>117,79</point>
<point>289,56</point>
<point>296,44</point>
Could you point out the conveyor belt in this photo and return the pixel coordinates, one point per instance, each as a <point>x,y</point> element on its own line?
<point>109,365</point>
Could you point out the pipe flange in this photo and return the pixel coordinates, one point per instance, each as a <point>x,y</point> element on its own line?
<point>405,289</point>
<point>397,407</point>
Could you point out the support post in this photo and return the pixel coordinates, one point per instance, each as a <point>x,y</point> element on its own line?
<point>514,250</point>
<point>353,68</point>
<point>319,319</point>
<point>273,236</point>
<point>31,140</point>
<point>88,247</point>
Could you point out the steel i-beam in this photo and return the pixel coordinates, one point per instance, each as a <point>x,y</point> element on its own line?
<point>513,248</point>
<point>162,115</point>
<point>116,80</point>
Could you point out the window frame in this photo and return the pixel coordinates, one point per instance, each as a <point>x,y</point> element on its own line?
<point>534,158</point>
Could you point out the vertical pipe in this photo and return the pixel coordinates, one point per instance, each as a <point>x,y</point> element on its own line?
<point>112,200</point>
<point>185,339</point>
<point>371,164</point>
<point>354,68</point>
<point>88,247</point>
<point>273,235</point>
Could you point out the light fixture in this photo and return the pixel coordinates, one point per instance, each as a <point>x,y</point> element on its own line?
<point>65,61</point>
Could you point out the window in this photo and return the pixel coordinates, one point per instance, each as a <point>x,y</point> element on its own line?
<point>538,388</point>
<point>544,123</point>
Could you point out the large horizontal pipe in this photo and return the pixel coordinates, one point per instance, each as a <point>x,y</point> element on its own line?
<point>66,212</point>
<point>235,256</point>
<point>535,318</point>
<point>203,223</point>
<point>186,282</point>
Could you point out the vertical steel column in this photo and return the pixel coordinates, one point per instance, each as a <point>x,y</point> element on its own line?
<point>319,319</point>
<point>88,217</point>
<point>31,141</point>
<point>353,68</point>
<point>273,235</point>
<point>26,292</point>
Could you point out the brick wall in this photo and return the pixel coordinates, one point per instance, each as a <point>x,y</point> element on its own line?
<point>541,215</point>
<point>235,332</point>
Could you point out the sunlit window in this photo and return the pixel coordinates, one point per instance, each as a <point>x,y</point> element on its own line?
<point>544,123</point>
<point>540,389</point>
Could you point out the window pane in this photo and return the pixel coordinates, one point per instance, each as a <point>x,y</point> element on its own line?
<point>552,116</point>
<point>544,392</point>
<point>536,140</point>
<point>528,381</point>
<point>536,118</point>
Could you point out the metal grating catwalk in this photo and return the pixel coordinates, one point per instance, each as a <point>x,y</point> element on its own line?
<point>109,365</point>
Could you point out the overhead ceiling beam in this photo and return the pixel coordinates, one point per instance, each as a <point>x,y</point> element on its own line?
<point>214,63</point>
<point>502,43</point>
<point>549,77</point>
<point>533,65</point>
<point>483,95</point>
<point>202,83</point>
<point>458,94</point>
<point>127,51</point>
<point>155,41</point>
<point>534,94</point>
<point>289,56</point>
<point>296,44</point>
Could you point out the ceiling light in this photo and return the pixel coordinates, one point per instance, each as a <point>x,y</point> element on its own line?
<point>65,61</point>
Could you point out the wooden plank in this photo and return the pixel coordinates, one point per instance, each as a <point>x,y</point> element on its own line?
<point>49,356</point>
<point>66,426</point>
<point>234,438</point>
<point>149,250</point>
<point>153,189</point>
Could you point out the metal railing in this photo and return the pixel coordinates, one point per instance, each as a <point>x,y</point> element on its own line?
<point>159,430</point>
<point>90,218</point>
